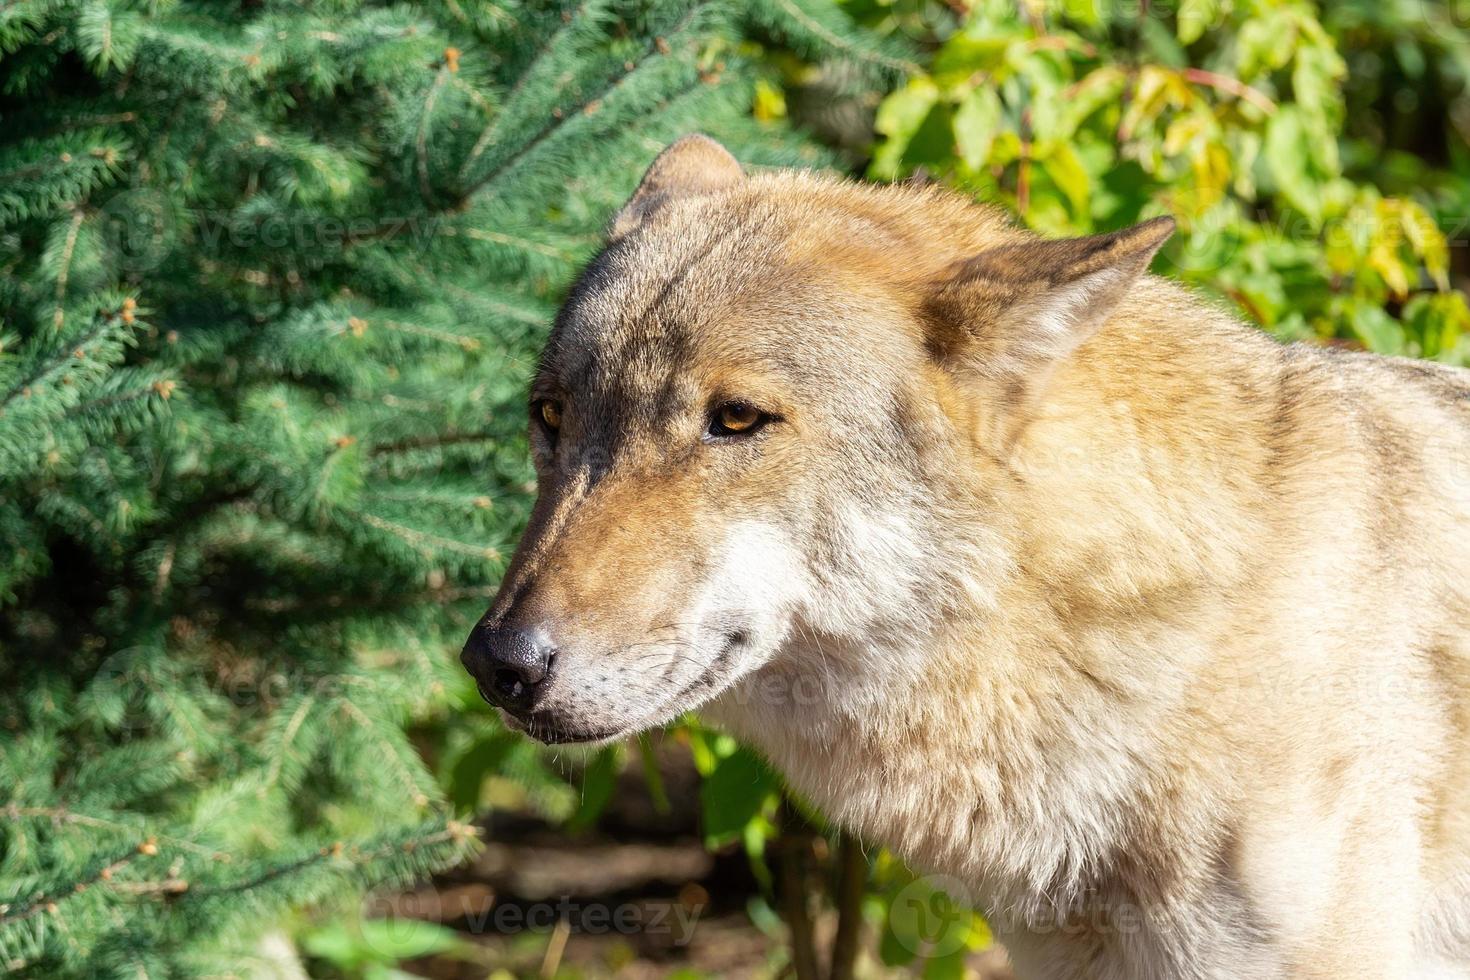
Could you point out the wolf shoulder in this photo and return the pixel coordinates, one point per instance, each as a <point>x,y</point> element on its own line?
<point>1412,416</point>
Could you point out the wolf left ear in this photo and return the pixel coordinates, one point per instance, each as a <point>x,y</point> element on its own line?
<point>691,165</point>
<point>1012,314</point>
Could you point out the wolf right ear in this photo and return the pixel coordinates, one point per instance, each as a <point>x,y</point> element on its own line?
<point>1010,315</point>
<point>691,165</point>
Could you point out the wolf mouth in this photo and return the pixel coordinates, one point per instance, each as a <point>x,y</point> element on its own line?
<point>549,734</point>
<point>707,685</point>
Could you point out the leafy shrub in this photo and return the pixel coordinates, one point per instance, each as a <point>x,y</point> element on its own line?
<point>1087,115</point>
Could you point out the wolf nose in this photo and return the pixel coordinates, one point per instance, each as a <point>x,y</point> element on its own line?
<point>511,666</point>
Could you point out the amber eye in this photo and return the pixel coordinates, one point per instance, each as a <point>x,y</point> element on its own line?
<point>736,419</point>
<point>550,413</point>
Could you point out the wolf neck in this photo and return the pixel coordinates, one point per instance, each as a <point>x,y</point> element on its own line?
<point>1006,746</point>
<point>1015,778</point>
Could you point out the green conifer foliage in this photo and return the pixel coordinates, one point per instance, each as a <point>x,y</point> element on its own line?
<point>273,277</point>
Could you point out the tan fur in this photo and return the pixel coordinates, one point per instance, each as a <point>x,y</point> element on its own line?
<point>1156,637</point>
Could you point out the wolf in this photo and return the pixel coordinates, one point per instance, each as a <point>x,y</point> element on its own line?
<point>1150,633</point>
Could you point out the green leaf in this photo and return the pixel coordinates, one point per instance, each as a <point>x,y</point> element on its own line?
<point>1313,77</point>
<point>734,794</point>
<point>898,120</point>
<point>950,966</point>
<point>1287,154</point>
<point>933,144</point>
<point>770,102</point>
<point>1438,321</point>
<point>976,122</point>
<point>1084,12</point>
<point>967,53</point>
<point>479,760</point>
<point>1194,17</point>
<point>1378,331</point>
<point>899,943</point>
<point>355,945</point>
<point>396,939</point>
<point>1160,44</point>
<point>1102,87</point>
<point>1264,43</point>
<point>1066,170</point>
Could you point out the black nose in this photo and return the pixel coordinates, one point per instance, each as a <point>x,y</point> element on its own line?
<point>511,666</point>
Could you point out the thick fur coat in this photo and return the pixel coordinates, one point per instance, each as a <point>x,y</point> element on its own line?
<point>1151,632</point>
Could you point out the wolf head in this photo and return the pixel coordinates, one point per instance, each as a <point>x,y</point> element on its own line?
<point>768,426</point>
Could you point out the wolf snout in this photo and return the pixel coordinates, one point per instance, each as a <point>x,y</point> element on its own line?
<point>512,667</point>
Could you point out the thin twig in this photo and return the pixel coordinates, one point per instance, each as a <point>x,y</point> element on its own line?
<point>1233,86</point>
<point>421,143</point>
<point>795,843</point>
<point>429,442</point>
<point>59,316</point>
<point>425,543</point>
<point>852,883</point>
<point>555,946</point>
<point>454,832</point>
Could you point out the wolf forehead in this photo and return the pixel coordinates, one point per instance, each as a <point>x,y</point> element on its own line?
<point>660,292</point>
<point>778,264</point>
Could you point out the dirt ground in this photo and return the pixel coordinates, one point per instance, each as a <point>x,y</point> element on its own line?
<point>636,897</point>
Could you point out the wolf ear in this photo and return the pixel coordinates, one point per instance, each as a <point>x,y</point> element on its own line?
<point>1011,315</point>
<point>691,165</point>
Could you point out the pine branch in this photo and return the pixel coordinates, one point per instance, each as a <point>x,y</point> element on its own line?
<point>67,252</point>
<point>155,389</point>
<point>436,441</point>
<point>454,832</point>
<point>500,238</point>
<point>658,47</point>
<point>49,901</point>
<point>425,543</point>
<point>500,308</point>
<point>839,43</point>
<point>341,604</point>
<point>405,776</point>
<point>487,137</point>
<point>462,341</point>
<point>104,326</point>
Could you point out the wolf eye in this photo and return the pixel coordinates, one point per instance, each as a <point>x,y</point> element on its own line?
<point>549,412</point>
<point>736,419</point>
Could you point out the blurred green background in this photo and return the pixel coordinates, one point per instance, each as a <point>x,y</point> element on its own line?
<point>274,277</point>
